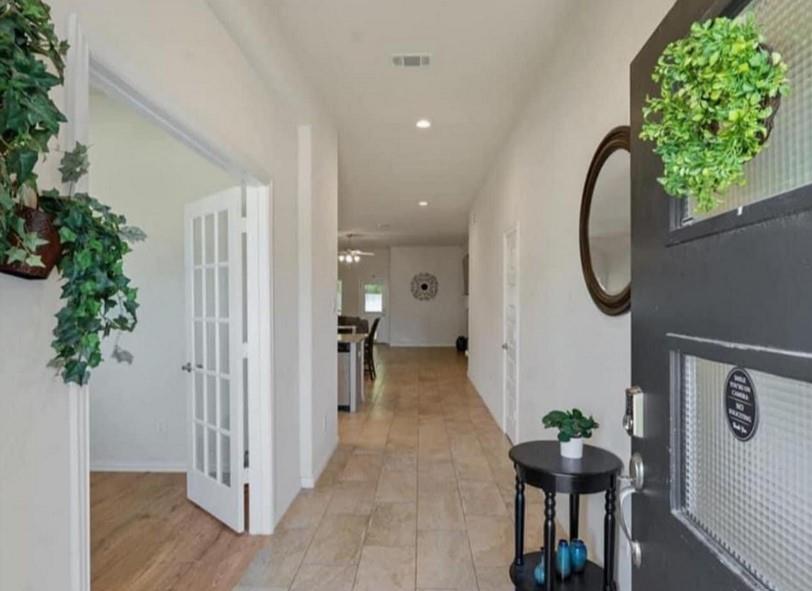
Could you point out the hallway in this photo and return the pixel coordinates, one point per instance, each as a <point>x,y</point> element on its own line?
<point>417,496</point>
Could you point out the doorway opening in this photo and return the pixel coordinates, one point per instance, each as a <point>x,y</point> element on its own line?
<point>145,413</point>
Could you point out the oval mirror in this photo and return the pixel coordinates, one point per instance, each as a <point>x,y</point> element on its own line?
<point>605,228</point>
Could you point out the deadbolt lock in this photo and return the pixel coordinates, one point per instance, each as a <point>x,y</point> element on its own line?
<point>633,419</point>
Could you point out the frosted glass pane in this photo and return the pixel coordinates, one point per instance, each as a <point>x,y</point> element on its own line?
<point>212,453</point>
<point>222,280</point>
<point>225,404</point>
<point>199,448</point>
<point>786,162</point>
<point>196,241</point>
<point>222,237</point>
<point>209,239</point>
<point>199,395</point>
<point>225,458</point>
<point>751,497</point>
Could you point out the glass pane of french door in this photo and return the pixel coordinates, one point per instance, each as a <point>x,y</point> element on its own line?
<point>211,347</point>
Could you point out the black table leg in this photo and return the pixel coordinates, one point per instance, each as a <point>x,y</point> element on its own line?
<point>519,522</point>
<point>549,539</point>
<point>575,506</point>
<point>609,539</point>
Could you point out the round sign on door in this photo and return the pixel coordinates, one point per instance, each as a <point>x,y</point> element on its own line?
<point>741,406</point>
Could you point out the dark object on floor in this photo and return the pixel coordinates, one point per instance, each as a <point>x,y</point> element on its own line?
<point>369,351</point>
<point>462,344</point>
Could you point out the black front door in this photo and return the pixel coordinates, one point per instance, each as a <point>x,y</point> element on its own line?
<point>722,344</point>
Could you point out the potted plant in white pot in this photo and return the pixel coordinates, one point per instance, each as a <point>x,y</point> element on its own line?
<point>573,427</point>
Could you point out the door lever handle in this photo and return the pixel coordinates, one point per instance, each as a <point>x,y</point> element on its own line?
<point>505,346</point>
<point>187,367</point>
<point>634,483</point>
<point>634,546</point>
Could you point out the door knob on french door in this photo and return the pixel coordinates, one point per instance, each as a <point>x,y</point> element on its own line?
<point>187,367</point>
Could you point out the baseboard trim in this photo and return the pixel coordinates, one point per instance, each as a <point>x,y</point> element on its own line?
<point>425,345</point>
<point>310,482</point>
<point>105,466</point>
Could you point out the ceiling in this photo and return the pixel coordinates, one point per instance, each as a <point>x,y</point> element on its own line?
<point>485,58</point>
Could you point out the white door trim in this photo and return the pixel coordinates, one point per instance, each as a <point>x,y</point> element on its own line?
<point>84,67</point>
<point>75,109</point>
<point>514,437</point>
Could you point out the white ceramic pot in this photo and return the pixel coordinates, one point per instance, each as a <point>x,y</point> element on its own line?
<point>573,449</point>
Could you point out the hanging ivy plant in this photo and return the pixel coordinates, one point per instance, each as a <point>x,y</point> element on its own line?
<point>719,90</point>
<point>28,117</point>
<point>93,240</point>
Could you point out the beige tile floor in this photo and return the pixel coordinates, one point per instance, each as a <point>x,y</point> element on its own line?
<point>418,495</point>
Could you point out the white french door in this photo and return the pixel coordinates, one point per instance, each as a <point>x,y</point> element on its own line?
<point>510,319</point>
<point>215,351</point>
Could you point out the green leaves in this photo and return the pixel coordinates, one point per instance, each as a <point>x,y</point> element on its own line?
<point>570,425</point>
<point>716,89</point>
<point>31,65</point>
<point>97,295</point>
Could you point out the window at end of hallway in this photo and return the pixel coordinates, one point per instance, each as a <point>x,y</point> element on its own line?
<point>373,298</point>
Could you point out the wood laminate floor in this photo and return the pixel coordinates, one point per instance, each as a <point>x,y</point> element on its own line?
<point>146,536</point>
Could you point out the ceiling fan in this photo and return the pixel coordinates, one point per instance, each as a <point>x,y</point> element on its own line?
<point>352,255</point>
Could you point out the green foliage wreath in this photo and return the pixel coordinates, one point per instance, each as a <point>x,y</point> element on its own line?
<point>719,88</point>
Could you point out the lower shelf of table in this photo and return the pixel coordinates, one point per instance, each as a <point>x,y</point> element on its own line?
<point>591,579</point>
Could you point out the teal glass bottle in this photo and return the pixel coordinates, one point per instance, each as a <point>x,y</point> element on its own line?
<point>539,574</point>
<point>563,560</point>
<point>578,554</point>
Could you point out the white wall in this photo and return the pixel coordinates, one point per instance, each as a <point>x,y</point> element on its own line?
<point>570,353</point>
<point>436,322</point>
<point>138,411</point>
<point>183,58</point>
<point>318,361</point>
<point>374,269</point>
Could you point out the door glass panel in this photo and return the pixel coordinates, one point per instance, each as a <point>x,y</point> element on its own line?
<point>224,348</point>
<point>225,458</point>
<point>750,498</point>
<point>786,162</point>
<point>222,279</point>
<point>198,293</point>
<point>199,394</point>
<point>212,453</point>
<point>196,241</point>
<point>198,343</point>
<point>222,237</point>
<point>211,346</point>
<point>209,239</point>
<point>211,400</point>
<point>210,290</point>
<point>225,404</point>
<point>199,447</point>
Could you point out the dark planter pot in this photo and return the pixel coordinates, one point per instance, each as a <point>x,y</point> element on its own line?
<point>43,224</point>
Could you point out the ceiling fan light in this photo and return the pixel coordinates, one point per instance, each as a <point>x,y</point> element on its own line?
<point>357,258</point>
<point>341,258</point>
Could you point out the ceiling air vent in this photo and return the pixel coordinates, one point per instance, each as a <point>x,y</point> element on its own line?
<point>412,60</point>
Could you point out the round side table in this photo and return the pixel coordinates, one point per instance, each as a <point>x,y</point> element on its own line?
<point>539,464</point>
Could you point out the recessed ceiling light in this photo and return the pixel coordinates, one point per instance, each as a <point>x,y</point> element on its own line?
<point>423,203</point>
<point>423,124</point>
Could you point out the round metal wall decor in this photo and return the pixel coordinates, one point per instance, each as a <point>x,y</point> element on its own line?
<point>424,286</point>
